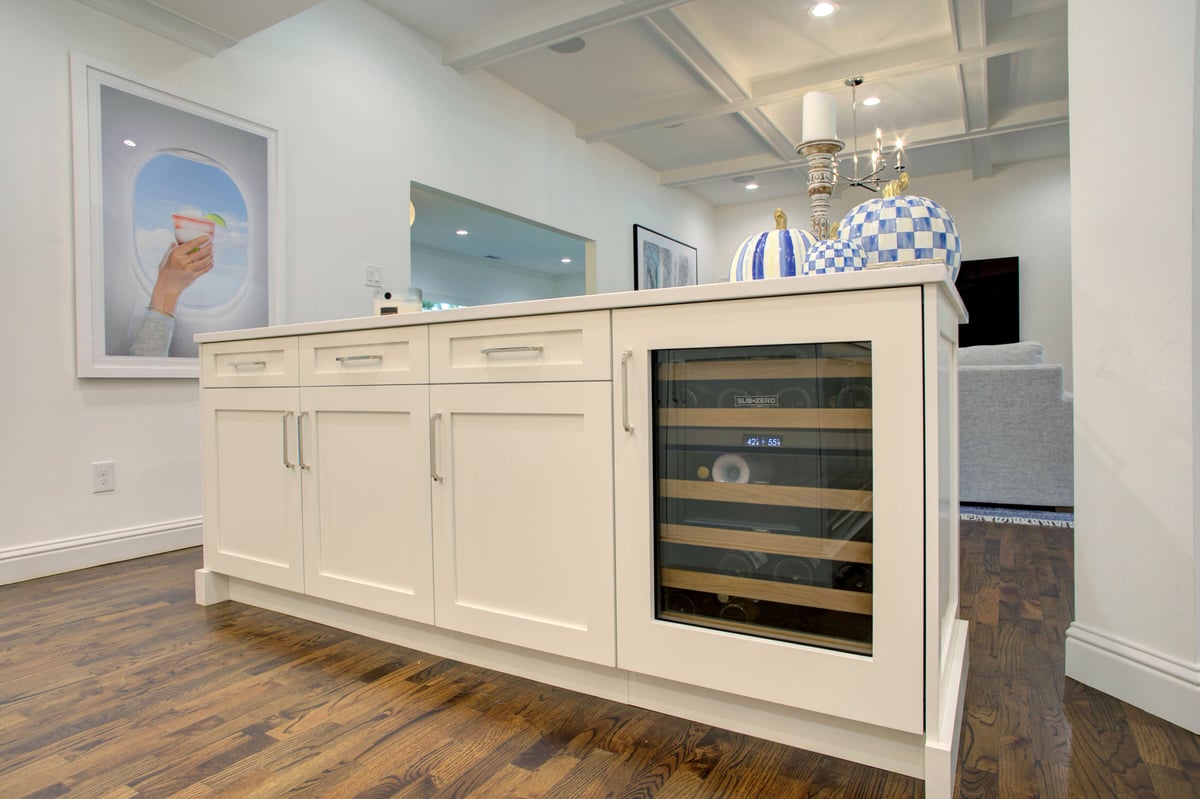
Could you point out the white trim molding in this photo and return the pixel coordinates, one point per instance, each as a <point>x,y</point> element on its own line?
<point>81,552</point>
<point>1167,686</point>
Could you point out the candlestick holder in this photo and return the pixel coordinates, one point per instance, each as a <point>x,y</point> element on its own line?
<point>822,176</point>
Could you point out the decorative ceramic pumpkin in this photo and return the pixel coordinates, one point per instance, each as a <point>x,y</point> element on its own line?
<point>905,228</point>
<point>775,253</point>
<point>834,255</point>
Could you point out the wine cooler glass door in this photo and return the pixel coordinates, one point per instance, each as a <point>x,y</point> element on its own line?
<point>763,470</point>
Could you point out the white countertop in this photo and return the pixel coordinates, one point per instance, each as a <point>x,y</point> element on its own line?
<point>910,274</point>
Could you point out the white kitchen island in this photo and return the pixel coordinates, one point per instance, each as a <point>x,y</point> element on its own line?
<point>530,487</point>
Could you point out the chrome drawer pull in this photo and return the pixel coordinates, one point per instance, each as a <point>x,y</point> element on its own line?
<point>526,348</point>
<point>286,415</point>
<point>300,440</point>
<point>248,364</point>
<point>343,359</point>
<point>433,447</point>
<point>625,356</point>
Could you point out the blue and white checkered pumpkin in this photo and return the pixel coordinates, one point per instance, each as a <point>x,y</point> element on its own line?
<point>775,253</point>
<point>906,228</point>
<point>834,255</point>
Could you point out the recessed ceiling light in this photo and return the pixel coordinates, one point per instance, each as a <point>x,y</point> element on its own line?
<point>130,143</point>
<point>751,186</point>
<point>823,9</point>
<point>568,46</point>
<point>566,260</point>
<point>462,231</point>
<point>872,101</point>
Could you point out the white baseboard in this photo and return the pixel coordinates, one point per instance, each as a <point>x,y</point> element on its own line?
<point>1160,684</point>
<point>82,552</point>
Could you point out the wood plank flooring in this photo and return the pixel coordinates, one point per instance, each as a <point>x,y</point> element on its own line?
<point>114,684</point>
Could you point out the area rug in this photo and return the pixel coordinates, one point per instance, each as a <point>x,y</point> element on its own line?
<point>1002,515</point>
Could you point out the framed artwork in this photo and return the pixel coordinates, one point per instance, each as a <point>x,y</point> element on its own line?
<point>660,261</point>
<point>153,171</point>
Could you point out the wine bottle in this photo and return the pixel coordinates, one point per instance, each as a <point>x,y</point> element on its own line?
<point>853,577</point>
<point>738,609</point>
<point>741,563</point>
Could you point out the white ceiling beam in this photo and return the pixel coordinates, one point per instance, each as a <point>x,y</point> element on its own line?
<point>703,59</point>
<point>1028,118</point>
<point>206,26</point>
<point>167,24</point>
<point>715,69</point>
<point>562,21</point>
<point>1035,30</point>
<point>981,158</point>
<point>968,22</point>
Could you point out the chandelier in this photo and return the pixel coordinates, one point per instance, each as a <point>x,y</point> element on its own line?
<point>820,147</point>
<point>883,170</point>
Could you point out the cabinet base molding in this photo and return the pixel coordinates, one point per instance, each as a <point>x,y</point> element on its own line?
<point>932,758</point>
<point>1165,686</point>
<point>96,549</point>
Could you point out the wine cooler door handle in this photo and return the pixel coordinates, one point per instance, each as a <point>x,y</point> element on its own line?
<point>300,440</point>
<point>625,356</point>
<point>286,416</point>
<point>433,447</point>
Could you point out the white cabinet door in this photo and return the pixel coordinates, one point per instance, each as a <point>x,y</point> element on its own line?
<point>252,485</point>
<point>523,515</point>
<point>881,681</point>
<point>366,497</point>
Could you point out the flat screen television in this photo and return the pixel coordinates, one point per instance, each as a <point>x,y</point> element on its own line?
<point>990,288</point>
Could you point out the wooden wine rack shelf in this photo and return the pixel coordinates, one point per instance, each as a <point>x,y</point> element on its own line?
<point>765,369</point>
<point>768,590</point>
<point>762,494</point>
<point>774,418</point>
<point>794,636</point>
<point>768,543</point>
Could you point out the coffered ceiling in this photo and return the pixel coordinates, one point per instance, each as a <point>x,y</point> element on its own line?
<point>708,91</point>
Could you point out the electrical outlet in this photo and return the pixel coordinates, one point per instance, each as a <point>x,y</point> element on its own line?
<point>104,477</point>
<point>373,275</point>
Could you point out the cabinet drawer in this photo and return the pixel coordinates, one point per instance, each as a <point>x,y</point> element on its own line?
<point>366,357</point>
<point>526,349</point>
<point>258,362</point>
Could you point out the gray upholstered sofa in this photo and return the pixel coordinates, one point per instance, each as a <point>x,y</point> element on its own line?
<point>1015,428</point>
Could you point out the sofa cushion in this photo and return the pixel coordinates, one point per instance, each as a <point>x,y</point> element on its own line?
<point>1018,354</point>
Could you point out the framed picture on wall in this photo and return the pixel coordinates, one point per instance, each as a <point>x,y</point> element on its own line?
<point>175,224</point>
<point>661,262</point>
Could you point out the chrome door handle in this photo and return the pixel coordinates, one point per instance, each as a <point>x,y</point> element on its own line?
<point>625,356</point>
<point>300,440</point>
<point>344,359</point>
<point>247,364</point>
<point>433,447</point>
<point>286,415</point>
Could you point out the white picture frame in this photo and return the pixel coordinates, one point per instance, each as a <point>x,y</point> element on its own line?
<point>141,153</point>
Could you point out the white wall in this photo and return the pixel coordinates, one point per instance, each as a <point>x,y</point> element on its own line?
<point>1136,633</point>
<point>444,277</point>
<point>363,106</point>
<point>1022,210</point>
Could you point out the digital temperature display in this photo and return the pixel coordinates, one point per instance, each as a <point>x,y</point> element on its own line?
<point>762,440</point>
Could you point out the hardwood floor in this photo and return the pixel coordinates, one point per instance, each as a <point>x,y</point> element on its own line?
<point>113,683</point>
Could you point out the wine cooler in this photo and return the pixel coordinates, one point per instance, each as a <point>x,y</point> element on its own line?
<point>763,476</point>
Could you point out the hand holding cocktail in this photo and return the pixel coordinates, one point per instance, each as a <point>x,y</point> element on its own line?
<point>180,267</point>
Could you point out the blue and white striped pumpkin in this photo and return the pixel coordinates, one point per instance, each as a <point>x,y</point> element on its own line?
<point>775,253</point>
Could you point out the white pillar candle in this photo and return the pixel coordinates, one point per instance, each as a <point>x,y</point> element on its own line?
<point>820,117</point>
